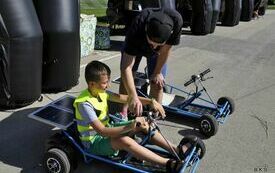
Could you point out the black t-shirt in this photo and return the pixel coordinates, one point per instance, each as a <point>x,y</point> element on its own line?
<point>136,43</point>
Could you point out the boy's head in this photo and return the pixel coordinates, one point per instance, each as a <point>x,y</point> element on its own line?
<point>97,74</point>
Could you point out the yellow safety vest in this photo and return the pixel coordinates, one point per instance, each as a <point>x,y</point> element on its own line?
<point>84,128</point>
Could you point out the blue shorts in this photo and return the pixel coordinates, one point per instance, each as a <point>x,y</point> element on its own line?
<point>151,65</point>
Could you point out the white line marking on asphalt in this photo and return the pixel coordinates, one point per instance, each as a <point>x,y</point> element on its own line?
<point>103,59</point>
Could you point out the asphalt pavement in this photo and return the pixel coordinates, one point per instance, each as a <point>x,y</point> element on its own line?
<point>241,59</point>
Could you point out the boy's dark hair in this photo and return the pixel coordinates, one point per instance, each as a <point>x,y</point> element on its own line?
<point>94,70</point>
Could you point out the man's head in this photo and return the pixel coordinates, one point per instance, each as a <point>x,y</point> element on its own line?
<point>97,75</point>
<point>159,27</point>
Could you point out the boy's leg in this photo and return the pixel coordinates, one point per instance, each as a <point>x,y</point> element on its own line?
<point>159,140</point>
<point>155,91</point>
<point>140,152</point>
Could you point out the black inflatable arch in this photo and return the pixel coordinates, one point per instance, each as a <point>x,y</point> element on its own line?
<point>232,12</point>
<point>247,10</point>
<point>59,20</point>
<point>201,17</point>
<point>216,13</point>
<point>20,53</point>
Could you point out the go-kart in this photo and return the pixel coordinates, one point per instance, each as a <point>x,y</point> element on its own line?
<point>62,148</point>
<point>195,104</point>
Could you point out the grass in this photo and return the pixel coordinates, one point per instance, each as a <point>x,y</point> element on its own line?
<point>96,12</point>
<point>271,7</point>
<point>96,7</point>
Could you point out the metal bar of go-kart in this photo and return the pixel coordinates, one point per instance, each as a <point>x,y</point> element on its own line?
<point>85,154</point>
<point>225,109</point>
<point>127,166</point>
<point>187,160</point>
<point>196,164</point>
<point>187,93</point>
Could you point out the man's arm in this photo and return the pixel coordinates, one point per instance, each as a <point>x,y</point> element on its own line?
<point>121,98</point>
<point>127,62</point>
<point>162,59</point>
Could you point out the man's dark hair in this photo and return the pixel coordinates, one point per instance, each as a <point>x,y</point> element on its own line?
<point>94,70</point>
<point>159,27</point>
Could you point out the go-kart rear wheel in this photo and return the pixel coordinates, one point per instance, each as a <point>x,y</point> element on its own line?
<point>208,125</point>
<point>221,101</point>
<point>56,161</point>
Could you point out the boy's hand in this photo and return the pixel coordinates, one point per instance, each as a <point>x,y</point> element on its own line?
<point>141,125</point>
<point>158,107</point>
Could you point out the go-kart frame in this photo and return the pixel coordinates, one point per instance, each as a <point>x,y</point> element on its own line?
<point>62,148</point>
<point>195,104</point>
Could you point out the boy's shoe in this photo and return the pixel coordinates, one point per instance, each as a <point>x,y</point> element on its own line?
<point>174,166</point>
<point>120,117</point>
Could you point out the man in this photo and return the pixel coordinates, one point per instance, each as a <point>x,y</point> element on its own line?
<point>152,35</point>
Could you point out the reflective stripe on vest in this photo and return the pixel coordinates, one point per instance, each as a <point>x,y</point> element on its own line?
<point>84,128</point>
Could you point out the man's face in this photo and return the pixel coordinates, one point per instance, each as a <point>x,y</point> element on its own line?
<point>153,44</point>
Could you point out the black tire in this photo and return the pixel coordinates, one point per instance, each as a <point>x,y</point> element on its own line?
<point>59,141</point>
<point>56,161</point>
<point>194,140</point>
<point>208,125</point>
<point>221,101</point>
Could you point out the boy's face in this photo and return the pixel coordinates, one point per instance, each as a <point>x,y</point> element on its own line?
<point>101,85</point>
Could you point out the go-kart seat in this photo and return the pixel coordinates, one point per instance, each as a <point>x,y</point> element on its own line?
<point>172,100</point>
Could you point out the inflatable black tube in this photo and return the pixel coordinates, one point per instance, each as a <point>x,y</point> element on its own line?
<point>216,12</point>
<point>21,41</point>
<point>232,13</point>
<point>262,7</point>
<point>168,4</point>
<point>247,10</point>
<point>201,17</point>
<point>184,7</point>
<point>59,20</point>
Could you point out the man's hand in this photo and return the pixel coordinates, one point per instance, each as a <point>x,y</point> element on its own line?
<point>158,79</point>
<point>135,106</point>
<point>158,107</point>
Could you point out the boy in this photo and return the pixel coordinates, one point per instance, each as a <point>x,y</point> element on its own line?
<point>98,137</point>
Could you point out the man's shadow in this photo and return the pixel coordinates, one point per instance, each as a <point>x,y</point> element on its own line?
<point>191,125</point>
<point>22,141</point>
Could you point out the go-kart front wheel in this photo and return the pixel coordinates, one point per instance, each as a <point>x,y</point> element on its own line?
<point>221,101</point>
<point>208,125</point>
<point>56,161</point>
<point>196,142</point>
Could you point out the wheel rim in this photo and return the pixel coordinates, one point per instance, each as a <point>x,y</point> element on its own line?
<point>205,126</point>
<point>53,165</point>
